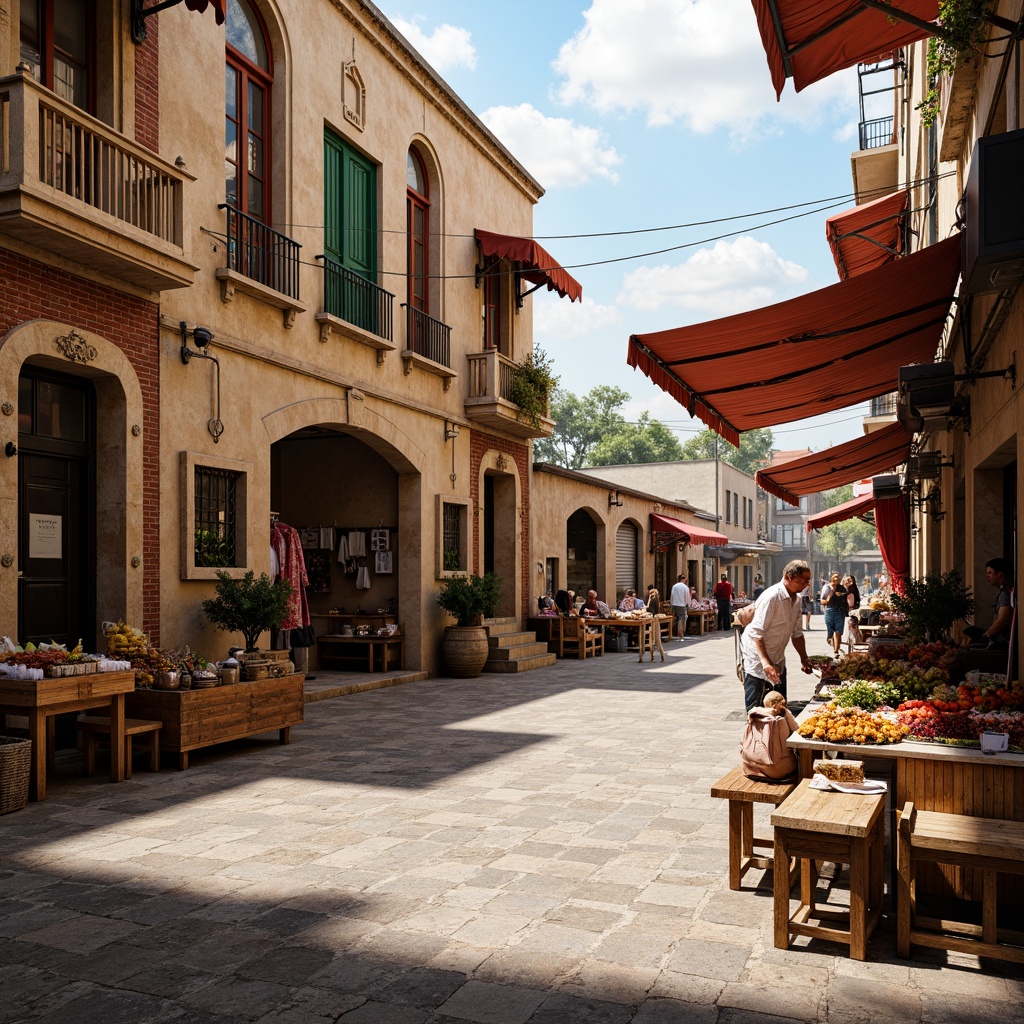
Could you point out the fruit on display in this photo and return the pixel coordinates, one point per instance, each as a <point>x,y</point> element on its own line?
<point>866,694</point>
<point>836,724</point>
<point>125,642</point>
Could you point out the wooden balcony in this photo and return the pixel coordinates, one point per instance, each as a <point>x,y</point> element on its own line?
<point>490,383</point>
<point>73,186</point>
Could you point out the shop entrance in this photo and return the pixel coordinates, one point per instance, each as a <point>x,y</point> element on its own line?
<point>56,520</point>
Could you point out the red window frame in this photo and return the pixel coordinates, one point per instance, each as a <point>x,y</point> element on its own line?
<point>417,225</point>
<point>45,19</point>
<point>250,76</point>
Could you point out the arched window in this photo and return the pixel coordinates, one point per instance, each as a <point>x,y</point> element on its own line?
<point>417,204</point>
<point>248,82</point>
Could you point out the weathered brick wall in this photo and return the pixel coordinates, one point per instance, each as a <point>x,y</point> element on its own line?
<point>481,443</point>
<point>147,87</point>
<point>35,291</point>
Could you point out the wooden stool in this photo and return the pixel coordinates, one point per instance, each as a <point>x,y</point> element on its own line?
<point>842,828</point>
<point>986,845</point>
<point>742,793</point>
<point>92,726</point>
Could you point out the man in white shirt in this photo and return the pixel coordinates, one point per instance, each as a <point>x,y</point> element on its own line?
<point>680,601</point>
<point>776,622</point>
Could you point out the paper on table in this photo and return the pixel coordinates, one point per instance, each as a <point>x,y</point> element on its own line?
<point>868,787</point>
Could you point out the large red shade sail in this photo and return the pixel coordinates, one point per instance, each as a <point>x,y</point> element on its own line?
<point>867,236</point>
<point>808,40</point>
<point>823,351</point>
<point>855,509</point>
<point>877,452</point>
<point>533,262</point>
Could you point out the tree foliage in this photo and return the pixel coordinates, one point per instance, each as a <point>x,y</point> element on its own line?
<point>840,540</point>
<point>754,452</point>
<point>591,431</point>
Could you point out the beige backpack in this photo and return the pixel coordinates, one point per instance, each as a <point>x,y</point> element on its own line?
<point>763,751</point>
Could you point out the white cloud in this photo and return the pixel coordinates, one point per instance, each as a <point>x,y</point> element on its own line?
<point>445,48</point>
<point>557,319</point>
<point>555,150</point>
<point>729,278</point>
<point>695,62</point>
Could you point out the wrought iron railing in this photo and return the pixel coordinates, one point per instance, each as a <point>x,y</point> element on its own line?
<point>352,298</point>
<point>261,253</point>
<point>878,132</point>
<point>427,337</point>
<point>490,373</point>
<point>42,137</point>
<point>884,405</point>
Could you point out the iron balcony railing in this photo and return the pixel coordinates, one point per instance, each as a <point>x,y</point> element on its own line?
<point>261,253</point>
<point>490,374</point>
<point>878,132</point>
<point>427,337</point>
<point>42,137</point>
<point>352,298</point>
<point>884,405</point>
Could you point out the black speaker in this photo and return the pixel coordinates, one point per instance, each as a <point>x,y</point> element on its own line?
<point>887,486</point>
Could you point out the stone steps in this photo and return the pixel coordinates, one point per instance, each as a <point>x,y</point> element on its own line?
<point>512,649</point>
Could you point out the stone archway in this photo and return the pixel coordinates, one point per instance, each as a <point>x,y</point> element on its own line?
<point>499,527</point>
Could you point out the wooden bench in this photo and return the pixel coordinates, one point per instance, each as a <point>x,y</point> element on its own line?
<point>742,793</point>
<point>91,726</point>
<point>989,846</point>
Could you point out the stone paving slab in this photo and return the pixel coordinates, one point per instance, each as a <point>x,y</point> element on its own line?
<point>530,849</point>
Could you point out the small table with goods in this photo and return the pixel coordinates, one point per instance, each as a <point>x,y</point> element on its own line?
<point>361,649</point>
<point>642,625</point>
<point>701,621</point>
<point>42,699</point>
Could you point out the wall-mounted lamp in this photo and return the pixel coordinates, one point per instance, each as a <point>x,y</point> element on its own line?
<point>614,499</point>
<point>201,338</point>
<point>451,431</point>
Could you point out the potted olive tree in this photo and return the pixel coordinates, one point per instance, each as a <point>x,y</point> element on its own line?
<point>249,605</point>
<point>469,599</point>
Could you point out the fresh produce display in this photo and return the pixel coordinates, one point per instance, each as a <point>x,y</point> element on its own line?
<point>962,713</point>
<point>851,725</point>
<point>867,695</point>
<point>125,642</point>
<point>911,679</point>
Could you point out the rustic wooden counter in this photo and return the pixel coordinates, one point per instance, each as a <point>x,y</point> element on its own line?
<point>42,699</point>
<point>192,719</point>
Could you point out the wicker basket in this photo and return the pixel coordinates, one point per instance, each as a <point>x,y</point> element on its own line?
<point>15,767</point>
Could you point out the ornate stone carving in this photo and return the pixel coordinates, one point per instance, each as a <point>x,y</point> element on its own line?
<point>7,408</point>
<point>74,347</point>
<point>136,430</point>
<point>7,561</point>
<point>136,562</point>
<point>500,462</point>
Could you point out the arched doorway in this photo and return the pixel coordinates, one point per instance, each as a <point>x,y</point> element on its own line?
<point>500,546</point>
<point>581,552</point>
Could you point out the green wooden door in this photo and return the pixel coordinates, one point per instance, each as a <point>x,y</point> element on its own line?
<point>350,235</point>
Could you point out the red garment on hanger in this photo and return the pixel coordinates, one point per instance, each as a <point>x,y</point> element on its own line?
<point>286,542</point>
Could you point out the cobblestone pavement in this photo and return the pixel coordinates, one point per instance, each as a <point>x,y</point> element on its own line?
<point>538,848</point>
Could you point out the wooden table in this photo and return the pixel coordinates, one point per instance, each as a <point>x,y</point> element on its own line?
<point>842,828</point>
<point>936,777</point>
<point>41,699</point>
<point>704,621</point>
<point>372,643</point>
<point>192,719</point>
<point>644,628</point>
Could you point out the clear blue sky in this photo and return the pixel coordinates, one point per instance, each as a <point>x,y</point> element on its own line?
<point>646,114</point>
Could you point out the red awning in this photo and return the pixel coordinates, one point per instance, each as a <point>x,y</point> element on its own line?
<point>857,508</point>
<point>878,452</point>
<point>809,355</point>
<point>693,534</point>
<point>533,262</point>
<point>219,7</point>
<point>867,236</point>
<point>807,40</point>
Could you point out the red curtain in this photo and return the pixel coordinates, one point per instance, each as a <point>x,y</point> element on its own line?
<point>893,526</point>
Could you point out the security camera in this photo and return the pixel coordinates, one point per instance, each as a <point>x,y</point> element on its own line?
<point>202,336</point>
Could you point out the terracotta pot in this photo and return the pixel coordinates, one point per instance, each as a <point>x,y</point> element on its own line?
<point>465,650</point>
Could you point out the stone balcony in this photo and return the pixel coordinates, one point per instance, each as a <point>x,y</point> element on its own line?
<point>488,403</point>
<point>72,186</point>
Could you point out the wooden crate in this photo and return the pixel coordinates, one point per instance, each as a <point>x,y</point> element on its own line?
<point>192,719</point>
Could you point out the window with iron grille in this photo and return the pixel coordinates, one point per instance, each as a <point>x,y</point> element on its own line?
<point>453,537</point>
<point>216,511</point>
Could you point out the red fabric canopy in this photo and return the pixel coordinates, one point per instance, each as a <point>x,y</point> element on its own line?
<point>869,235</point>
<point>819,352</point>
<point>893,527</point>
<point>807,40</point>
<point>219,7</point>
<point>877,452</point>
<point>693,534</point>
<point>839,513</point>
<point>534,262</point>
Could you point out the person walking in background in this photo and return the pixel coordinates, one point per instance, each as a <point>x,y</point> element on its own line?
<point>835,601</point>
<point>758,587</point>
<point>680,601</point>
<point>723,597</point>
<point>775,624</point>
<point>806,605</point>
<point>654,607</point>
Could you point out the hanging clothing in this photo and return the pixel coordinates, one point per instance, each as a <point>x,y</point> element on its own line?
<point>363,578</point>
<point>356,544</point>
<point>288,545</point>
<point>318,568</point>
